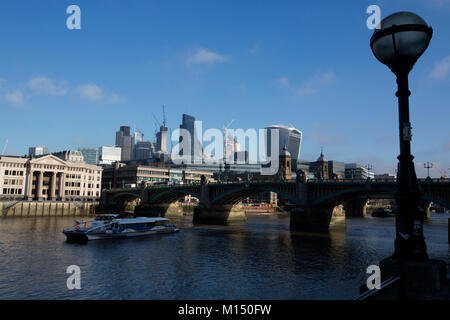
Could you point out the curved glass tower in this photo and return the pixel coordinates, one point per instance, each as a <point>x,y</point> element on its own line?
<point>289,137</point>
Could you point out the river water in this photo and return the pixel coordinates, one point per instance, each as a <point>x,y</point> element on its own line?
<point>261,259</point>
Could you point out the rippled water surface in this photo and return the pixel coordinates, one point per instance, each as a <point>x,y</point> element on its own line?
<point>259,260</point>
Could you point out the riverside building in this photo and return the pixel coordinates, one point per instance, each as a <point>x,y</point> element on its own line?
<point>122,176</point>
<point>63,176</point>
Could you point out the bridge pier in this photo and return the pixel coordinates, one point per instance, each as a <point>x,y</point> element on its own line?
<point>427,208</point>
<point>167,210</point>
<point>311,219</point>
<point>355,208</point>
<point>219,214</point>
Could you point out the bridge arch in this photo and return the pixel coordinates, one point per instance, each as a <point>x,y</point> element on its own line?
<point>341,196</point>
<point>440,202</point>
<point>127,196</point>
<point>171,196</point>
<point>236,195</point>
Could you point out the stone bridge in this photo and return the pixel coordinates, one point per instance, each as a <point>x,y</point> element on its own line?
<point>310,203</point>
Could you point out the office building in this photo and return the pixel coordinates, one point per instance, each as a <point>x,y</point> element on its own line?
<point>109,155</point>
<point>144,150</point>
<point>120,176</point>
<point>336,169</point>
<point>190,146</point>
<point>357,171</point>
<point>37,151</point>
<point>287,136</point>
<point>125,141</point>
<point>90,155</point>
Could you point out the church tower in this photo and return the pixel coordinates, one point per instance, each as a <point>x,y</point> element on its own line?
<point>322,167</point>
<point>285,164</point>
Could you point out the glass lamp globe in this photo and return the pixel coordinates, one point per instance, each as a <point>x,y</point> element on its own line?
<point>401,40</point>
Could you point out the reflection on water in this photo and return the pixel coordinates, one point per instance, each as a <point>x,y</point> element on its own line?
<point>259,260</point>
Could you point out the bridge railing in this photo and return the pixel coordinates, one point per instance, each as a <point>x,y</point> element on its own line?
<point>427,180</point>
<point>373,293</point>
<point>271,180</point>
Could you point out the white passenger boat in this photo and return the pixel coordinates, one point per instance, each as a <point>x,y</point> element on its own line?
<point>110,226</point>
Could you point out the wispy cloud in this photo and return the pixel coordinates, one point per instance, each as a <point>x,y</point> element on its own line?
<point>313,86</point>
<point>46,86</point>
<point>386,139</point>
<point>325,136</point>
<point>447,146</point>
<point>94,93</point>
<point>283,81</point>
<point>15,97</point>
<point>203,56</point>
<point>441,69</point>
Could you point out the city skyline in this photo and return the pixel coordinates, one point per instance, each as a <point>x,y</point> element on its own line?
<point>254,70</point>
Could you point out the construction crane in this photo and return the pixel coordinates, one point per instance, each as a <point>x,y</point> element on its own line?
<point>440,171</point>
<point>140,132</point>
<point>4,147</point>
<point>225,128</point>
<point>225,137</point>
<point>157,123</point>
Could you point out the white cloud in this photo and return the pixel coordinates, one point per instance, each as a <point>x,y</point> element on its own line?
<point>441,69</point>
<point>312,86</point>
<point>46,86</point>
<point>15,97</point>
<point>94,93</point>
<point>283,81</point>
<point>203,56</point>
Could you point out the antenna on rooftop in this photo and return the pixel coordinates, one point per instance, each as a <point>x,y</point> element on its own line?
<point>164,116</point>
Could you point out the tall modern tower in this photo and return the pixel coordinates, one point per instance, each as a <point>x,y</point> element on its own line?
<point>125,141</point>
<point>195,146</point>
<point>289,137</point>
<point>161,139</point>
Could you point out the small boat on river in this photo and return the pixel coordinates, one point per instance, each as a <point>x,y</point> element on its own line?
<point>382,213</point>
<point>110,226</point>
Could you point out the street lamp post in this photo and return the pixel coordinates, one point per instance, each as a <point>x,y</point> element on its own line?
<point>401,40</point>
<point>428,166</point>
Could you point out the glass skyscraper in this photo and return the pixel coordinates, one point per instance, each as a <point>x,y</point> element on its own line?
<point>289,137</point>
<point>90,155</point>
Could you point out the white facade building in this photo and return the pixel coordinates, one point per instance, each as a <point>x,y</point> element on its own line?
<point>48,178</point>
<point>109,155</point>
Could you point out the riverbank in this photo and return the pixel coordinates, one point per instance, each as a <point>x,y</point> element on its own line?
<point>46,208</point>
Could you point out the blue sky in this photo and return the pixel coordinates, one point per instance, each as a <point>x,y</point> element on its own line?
<point>301,63</point>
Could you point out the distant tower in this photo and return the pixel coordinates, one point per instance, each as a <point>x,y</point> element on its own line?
<point>125,141</point>
<point>322,167</point>
<point>161,136</point>
<point>286,164</point>
<point>161,139</point>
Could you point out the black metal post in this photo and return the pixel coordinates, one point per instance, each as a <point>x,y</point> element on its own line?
<point>428,166</point>
<point>409,243</point>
